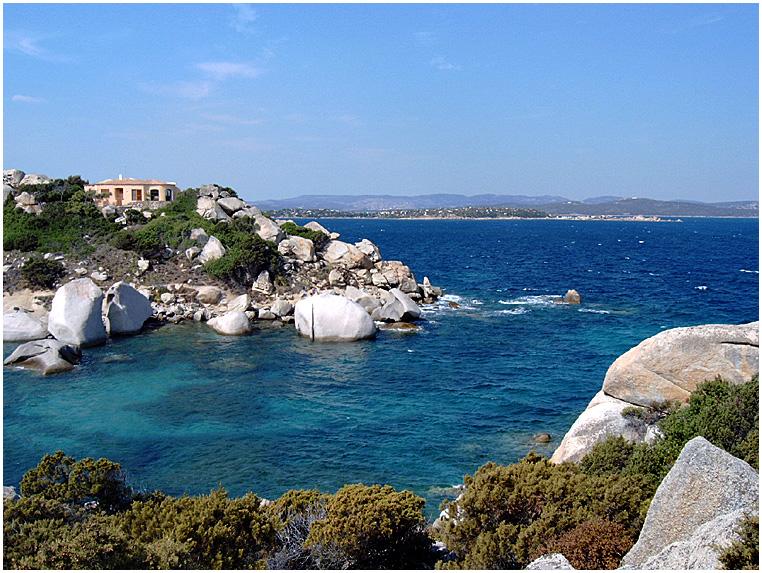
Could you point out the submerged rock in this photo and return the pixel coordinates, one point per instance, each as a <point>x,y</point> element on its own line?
<point>19,326</point>
<point>669,366</point>
<point>126,309</point>
<point>75,315</point>
<point>46,356</point>
<point>332,317</point>
<point>705,485</point>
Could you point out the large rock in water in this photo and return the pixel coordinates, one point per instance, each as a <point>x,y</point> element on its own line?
<point>126,309</point>
<point>602,418</point>
<point>332,317</point>
<point>19,326</point>
<point>401,309</point>
<point>233,323</point>
<point>705,490</point>
<point>75,315</point>
<point>669,366</point>
<point>46,356</point>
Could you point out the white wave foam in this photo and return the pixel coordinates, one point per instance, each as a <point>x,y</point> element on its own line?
<point>519,310</point>
<point>748,271</point>
<point>701,287</point>
<point>594,310</point>
<point>533,300</point>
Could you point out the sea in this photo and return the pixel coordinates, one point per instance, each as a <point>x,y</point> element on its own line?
<point>185,410</point>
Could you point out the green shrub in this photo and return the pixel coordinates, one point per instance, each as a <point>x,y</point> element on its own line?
<point>63,479</point>
<point>39,272</point>
<point>375,527</point>
<point>318,238</point>
<point>744,554</point>
<point>507,513</point>
<point>246,253</point>
<point>202,532</point>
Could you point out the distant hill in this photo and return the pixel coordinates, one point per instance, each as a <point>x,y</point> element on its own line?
<point>553,204</point>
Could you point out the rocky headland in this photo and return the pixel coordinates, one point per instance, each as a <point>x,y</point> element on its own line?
<point>267,271</point>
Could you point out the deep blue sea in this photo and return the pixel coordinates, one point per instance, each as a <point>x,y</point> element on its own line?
<point>184,409</point>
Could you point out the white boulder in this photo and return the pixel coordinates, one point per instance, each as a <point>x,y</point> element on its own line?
<point>125,309</point>
<point>297,247</point>
<point>231,204</point>
<point>332,317</point>
<point>45,356</point>
<point>268,229</point>
<point>212,250</point>
<point>75,314</point>
<point>208,294</point>
<point>346,255</point>
<point>370,249</point>
<point>35,179</point>
<point>19,325</point>
<point>232,323</point>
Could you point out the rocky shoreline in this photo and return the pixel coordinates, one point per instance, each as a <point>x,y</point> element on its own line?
<point>329,289</point>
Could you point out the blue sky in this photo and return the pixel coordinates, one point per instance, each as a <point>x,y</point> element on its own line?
<point>281,100</point>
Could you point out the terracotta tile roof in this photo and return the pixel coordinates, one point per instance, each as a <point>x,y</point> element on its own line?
<point>128,181</point>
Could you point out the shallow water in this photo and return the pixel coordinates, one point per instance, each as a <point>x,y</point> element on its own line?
<point>184,409</point>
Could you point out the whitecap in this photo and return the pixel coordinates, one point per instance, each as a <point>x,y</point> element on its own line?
<point>513,311</point>
<point>701,287</point>
<point>533,300</point>
<point>641,242</point>
<point>594,311</point>
<point>748,271</point>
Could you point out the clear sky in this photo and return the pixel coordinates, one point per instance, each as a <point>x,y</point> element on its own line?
<point>281,100</point>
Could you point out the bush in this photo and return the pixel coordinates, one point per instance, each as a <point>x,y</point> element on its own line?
<point>247,254</point>
<point>594,544</point>
<point>318,238</point>
<point>507,513</point>
<point>39,272</point>
<point>203,532</point>
<point>744,554</point>
<point>376,527</point>
<point>63,479</point>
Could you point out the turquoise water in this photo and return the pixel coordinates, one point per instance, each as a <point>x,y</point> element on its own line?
<point>184,409</point>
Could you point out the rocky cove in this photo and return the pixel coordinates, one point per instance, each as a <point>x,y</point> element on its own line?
<point>665,368</point>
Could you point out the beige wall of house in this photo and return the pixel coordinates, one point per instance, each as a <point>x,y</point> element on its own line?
<point>126,191</point>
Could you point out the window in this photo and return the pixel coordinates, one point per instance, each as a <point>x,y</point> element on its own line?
<point>168,194</point>
<point>154,194</point>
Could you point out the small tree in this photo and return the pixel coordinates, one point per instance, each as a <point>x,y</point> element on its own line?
<point>40,272</point>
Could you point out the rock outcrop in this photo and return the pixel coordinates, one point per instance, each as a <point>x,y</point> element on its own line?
<point>75,315</point>
<point>665,367</point>
<point>669,366</point>
<point>572,297</point>
<point>602,418</point>
<point>125,309</point>
<point>550,562</point>
<point>332,317</point>
<point>45,356</point>
<point>702,495</point>
<point>19,326</point>
<point>297,247</point>
<point>232,323</point>
<point>400,308</point>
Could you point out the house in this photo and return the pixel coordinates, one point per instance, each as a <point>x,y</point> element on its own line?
<point>126,191</point>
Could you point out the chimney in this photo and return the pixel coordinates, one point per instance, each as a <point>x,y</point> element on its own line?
<point>120,177</point>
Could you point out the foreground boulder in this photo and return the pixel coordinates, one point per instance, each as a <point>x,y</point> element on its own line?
<point>212,250</point>
<point>232,323</point>
<point>669,366</point>
<point>45,356</point>
<point>332,317</point>
<point>126,309</point>
<point>19,326</point>
<point>75,315</point>
<point>702,494</point>
<point>268,229</point>
<point>602,418</point>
